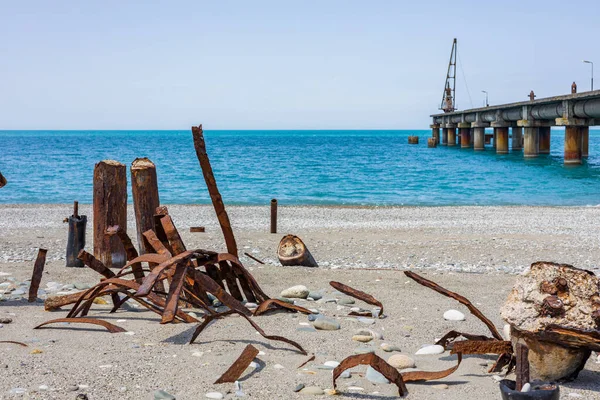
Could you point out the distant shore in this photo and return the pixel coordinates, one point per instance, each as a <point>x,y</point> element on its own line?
<point>480,239</point>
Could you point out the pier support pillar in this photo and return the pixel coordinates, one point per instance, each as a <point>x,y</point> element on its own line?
<point>435,132</point>
<point>501,140</point>
<point>531,142</point>
<point>544,138</point>
<point>444,137</point>
<point>451,134</point>
<point>573,144</point>
<point>465,135</point>
<point>517,138</point>
<point>585,141</point>
<point>479,138</point>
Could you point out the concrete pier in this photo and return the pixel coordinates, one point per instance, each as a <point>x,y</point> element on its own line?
<point>572,144</point>
<point>517,138</point>
<point>501,139</point>
<point>576,111</point>
<point>531,149</point>
<point>435,132</point>
<point>544,137</point>
<point>444,136</point>
<point>478,138</point>
<point>465,135</point>
<point>451,134</point>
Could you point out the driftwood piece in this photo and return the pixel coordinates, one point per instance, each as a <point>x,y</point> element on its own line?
<point>144,189</point>
<point>36,277</point>
<point>293,251</point>
<point>110,208</point>
<point>76,237</point>
<point>213,190</point>
<point>239,365</point>
<point>357,294</point>
<point>461,299</point>
<point>3,181</point>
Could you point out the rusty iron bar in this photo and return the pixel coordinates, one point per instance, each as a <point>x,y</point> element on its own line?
<point>253,258</point>
<point>377,364</point>
<point>273,215</point>
<point>76,237</point>
<point>357,294</point>
<point>239,365</point>
<point>109,327</point>
<point>36,277</point>
<point>197,229</point>
<point>522,367</point>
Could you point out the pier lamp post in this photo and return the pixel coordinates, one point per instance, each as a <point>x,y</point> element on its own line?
<point>589,62</point>
<point>487,104</point>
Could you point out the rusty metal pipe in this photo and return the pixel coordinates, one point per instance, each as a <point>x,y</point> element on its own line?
<point>274,216</point>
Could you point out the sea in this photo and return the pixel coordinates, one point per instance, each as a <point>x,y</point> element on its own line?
<point>307,167</point>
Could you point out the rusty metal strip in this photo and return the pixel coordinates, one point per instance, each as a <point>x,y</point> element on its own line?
<point>461,299</point>
<point>253,258</point>
<point>109,327</point>
<point>417,376</point>
<point>36,277</point>
<point>267,305</point>
<point>522,367</point>
<point>151,278</point>
<point>130,250</point>
<point>156,244</point>
<point>311,358</point>
<point>482,347</point>
<point>160,212</point>
<point>174,293</point>
<point>357,294</point>
<point>378,364</point>
<point>502,361</point>
<point>150,258</point>
<point>212,287</point>
<point>239,366</point>
<point>360,313</point>
<point>243,275</point>
<point>172,235</point>
<point>213,190</point>
<point>449,337</point>
<point>13,342</point>
<point>95,264</point>
<point>230,279</point>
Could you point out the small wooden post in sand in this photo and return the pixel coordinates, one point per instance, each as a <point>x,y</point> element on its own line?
<point>144,187</point>
<point>110,208</point>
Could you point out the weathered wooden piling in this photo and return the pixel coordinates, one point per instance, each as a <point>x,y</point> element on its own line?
<point>544,139</point>
<point>273,215</point>
<point>110,208</point>
<point>144,188</point>
<point>501,140</point>
<point>451,134</point>
<point>76,237</point>
<point>572,144</point>
<point>413,140</point>
<point>432,142</point>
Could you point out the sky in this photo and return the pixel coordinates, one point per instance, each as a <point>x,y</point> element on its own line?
<point>280,64</point>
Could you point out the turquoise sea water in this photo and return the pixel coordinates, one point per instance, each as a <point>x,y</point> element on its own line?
<point>297,167</point>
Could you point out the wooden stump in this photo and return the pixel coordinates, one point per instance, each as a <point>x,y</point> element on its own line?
<point>431,142</point>
<point>110,208</point>
<point>144,187</point>
<point>413,140</point>
<point>293,251</point>
<point>2,180</point>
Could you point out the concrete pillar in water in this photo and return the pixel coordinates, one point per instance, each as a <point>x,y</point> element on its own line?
<point>572,144</point>
<point>478,137</point>
<point>585,141</point>
<point>531,149</point>
<point>435,132</point>
<point>517,138</point>
<point>501,139</point>
<point>444,136</point>
<point>451,134</point>
<point>544,138</point>
<point>465,135</point>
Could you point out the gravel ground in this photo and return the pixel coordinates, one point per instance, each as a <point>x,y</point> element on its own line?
<point>493,241</point>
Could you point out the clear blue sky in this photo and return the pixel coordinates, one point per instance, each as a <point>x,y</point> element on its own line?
<point>280,64</point>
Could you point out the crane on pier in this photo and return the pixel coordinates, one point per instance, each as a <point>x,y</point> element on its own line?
<point>449,96</point>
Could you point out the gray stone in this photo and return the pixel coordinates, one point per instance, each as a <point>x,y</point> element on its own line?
<point>367,321</point>
<point>5,320</point>
<point>214,395</point>
<point>315,295</point>
<point>373,376</point>
<point>312,390</point>
<point>312,317</point>
<point>326,324</point>
<point>81,286</point>
<point>299,387</point>
<point>306,329</point>
<point>389,347</point>
<point>162,395</point>
<point>344,301</point>
<point>364,350</point>
<point>286,300</point>
<point>295,292</point>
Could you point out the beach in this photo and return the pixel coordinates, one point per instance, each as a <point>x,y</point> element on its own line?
<point>475,251</point>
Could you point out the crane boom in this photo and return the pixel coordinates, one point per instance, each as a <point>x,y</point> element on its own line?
<point>449,94</point>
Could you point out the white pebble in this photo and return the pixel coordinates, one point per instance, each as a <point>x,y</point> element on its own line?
<point>526,387</point>
<point>213,395</point>
<point>431,349</point>
<point>454,315</point>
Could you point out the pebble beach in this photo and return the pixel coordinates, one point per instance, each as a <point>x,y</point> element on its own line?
<point>475,251</point>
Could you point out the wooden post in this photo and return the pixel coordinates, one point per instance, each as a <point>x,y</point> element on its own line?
<point>110,208</point>
<point>144,187</point>
<point>274,216</point>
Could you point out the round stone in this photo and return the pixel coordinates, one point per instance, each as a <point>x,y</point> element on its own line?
<point>312,390</point>
<point>373,376</point>
<point>362,338</point>
<point>401,361</point>
<point>315,295</point>
<point>389,347</point>
<point>214,395</point>
<point>431,349</point>
<point>295,292</point>
<point>454,315</point>
<point>326,324</point>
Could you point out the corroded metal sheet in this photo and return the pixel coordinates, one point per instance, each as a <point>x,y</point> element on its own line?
<point>377,363</point>
<point>357,294</point>
<point>239,366</point>
<point>109,327</point>
<point>36,277</point>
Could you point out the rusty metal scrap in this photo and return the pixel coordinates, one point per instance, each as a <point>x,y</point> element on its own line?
<point>211,184</point>
<point>377,363</point>
<point>482,347</point>
<point>109,327</point>
<point>522,366</point>
<point>36,277</point>
<point>357,294</point>
<point>267,305</point>
<point>13,342</point>
<point>239,366</point>
<point>130,250</point>
<point>461,299</point>
<point>449,338</point>
<point>419,376</point>
<point>253,258</point>
<point>311,358</point>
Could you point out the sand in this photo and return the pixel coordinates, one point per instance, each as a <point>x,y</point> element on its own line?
<point>444,244</point>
